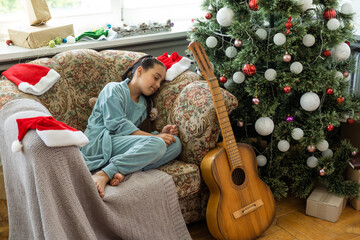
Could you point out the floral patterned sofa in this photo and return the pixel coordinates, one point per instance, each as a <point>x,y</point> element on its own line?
<point>186,101</point>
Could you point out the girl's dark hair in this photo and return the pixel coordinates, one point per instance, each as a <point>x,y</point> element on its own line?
<point>146,62</point>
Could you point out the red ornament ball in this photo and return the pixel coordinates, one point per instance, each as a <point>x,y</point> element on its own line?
<point>249,69</point>
<point>327,53</point>
<point>254,5</point>
<point>330,127</point>
<point>287,89</point>
<point>208,16</point>
<point>340,100</point>
<point>322,172</point>
<point>9,42</point>
<point>350,120</point>
<point>346,74</point>
<point>348,43</point>
<point>329,91</point>
<point>238,43</point>
<point>329,13</point>
<point>311,148</point>
<point>255,101</point>
<point>223,79</point>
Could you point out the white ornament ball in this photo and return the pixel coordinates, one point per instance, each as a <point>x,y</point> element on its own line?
<point>225,16</point>
<point>70,39</point>
<point>323,145</point>
<point>296,67</point>
<point>264,126</point>
<point>346,8</point>
<point>333,24</point>
<point>297,133</point>
<point>304,4</point>
<point>339,75</point>
<point>341,52</point>
<point>238,77</point>
<point>228,83</point>
<point>211,42</point>
<point>270,74</point>
<point>327,153</point>
<point>231,52</point>
<point>261,33</point>
<point>309,101</point>
<point>312,161</point>
<point>279,39</point>
<point>309,40</point>
<point>283,145</point>
<point>261,160</point>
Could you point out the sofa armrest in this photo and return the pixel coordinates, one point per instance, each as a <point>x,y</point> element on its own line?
<point>9,91</point>
<point>194,113</point>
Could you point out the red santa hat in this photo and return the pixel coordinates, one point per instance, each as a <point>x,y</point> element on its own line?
<point>31,78</point>
<point>175,64</point>
<point>51,131</point>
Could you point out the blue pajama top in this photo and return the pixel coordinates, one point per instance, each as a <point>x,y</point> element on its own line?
<point>114,113</point>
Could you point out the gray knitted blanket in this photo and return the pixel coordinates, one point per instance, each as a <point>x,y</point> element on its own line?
<point>51,195</point>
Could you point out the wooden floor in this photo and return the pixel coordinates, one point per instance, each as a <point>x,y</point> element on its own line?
<point>290,223</point>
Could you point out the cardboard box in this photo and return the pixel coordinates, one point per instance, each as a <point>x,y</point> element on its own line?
<point>325,205</point>
<point>38,12</point>
<point>34,37</point>
<point>354,175</point>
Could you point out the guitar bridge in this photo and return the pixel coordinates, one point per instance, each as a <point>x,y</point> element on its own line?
<point>248,209</point>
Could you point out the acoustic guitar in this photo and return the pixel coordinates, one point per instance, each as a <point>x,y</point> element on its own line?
<point>241,206</point>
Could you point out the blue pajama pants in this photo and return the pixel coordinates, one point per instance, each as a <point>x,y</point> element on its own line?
<point>135,152</point>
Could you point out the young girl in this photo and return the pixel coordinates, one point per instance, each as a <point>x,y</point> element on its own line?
<point>116,145</point>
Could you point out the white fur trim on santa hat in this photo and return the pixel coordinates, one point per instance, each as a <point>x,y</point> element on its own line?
<point>177,68</point>
<point>44,84</point>
<point>16,146</point>
<point>61,138</point>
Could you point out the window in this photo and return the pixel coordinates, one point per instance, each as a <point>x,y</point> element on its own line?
<point>92,14</point>
<point>138,11</point>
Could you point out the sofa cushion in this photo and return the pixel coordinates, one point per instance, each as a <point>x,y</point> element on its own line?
<point>193,111</point>
<point>167,95</point>
<point>186,177</point>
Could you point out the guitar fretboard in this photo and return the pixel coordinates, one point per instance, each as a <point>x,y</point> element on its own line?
<point>224,122</point>
<point>220,107</point>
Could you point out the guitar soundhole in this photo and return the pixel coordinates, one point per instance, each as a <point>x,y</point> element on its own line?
<point>238,176</point>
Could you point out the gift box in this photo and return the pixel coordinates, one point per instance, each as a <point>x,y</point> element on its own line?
<point>38,36</point>
<point>354,175</point>
<point>38,12</point>
<point>324,205</point>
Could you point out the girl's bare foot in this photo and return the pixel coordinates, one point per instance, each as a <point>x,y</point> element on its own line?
<point>117,179</point>
<point>101,179</point>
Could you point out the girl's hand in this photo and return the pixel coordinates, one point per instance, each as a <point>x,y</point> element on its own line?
<point>170,129</point>
<point>168,138</point>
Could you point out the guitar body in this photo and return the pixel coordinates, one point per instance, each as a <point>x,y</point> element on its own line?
<point>241,206</point>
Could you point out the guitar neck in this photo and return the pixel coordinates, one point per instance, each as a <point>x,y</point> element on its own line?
<point>226,130</point>
<point>208,73</point>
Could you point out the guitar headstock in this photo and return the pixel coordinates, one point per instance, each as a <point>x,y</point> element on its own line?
<point>202,60</point>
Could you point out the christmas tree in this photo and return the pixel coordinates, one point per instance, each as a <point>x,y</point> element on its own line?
<point>288,63</point>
